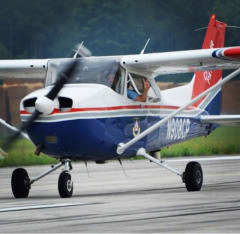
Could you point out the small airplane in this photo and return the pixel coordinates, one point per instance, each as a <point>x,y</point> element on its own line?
<point>110,107</point>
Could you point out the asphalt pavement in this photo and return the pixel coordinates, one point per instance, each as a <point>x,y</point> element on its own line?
<point>144,199</point>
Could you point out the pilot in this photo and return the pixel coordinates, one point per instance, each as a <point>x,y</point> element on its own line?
<point>140,98</point>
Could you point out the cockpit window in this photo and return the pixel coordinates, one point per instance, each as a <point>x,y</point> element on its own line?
<point>135,84</point>
<point>95,71</point>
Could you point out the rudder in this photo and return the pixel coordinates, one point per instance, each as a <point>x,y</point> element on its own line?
<point>203,80</point>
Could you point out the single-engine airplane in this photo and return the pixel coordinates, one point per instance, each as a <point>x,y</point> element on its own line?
<point>85,111</point>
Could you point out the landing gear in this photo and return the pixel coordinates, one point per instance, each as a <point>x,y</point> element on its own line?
<point>192,176</point>
<point>21,182</point>
<point>65,185</point>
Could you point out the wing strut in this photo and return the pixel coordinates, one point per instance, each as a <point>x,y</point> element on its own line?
<point>123,146</point>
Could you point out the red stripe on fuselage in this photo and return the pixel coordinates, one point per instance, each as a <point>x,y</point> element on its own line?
<point>112,108</point>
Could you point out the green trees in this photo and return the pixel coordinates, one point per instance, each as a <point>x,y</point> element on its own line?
<point>40,29</point>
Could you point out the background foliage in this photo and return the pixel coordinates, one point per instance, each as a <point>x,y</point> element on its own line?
<point>46,29</point>
<point>40,28</point>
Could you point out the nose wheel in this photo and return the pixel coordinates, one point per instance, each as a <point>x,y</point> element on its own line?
<point>21,182</point>
<point>65,185</point>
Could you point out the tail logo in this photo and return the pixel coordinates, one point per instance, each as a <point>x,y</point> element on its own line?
<point>207,75</point>
<point>211,44</point>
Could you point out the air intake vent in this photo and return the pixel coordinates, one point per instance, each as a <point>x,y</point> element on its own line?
<point>29,105</point>
<point>29,102</point>
<point>65,104</point>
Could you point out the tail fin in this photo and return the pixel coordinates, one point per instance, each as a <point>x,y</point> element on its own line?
<point>203,80</point>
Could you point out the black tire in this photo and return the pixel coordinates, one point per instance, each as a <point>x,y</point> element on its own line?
<point>20,183</point>
<point>65,185</point>
<point>193,176</point>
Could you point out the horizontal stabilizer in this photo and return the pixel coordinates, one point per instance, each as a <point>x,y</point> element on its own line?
<point>228,120</point>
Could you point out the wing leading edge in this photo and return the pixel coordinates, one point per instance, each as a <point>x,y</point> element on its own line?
<point>155,64</point>
<point>23,68</point>
<point>149,65</point>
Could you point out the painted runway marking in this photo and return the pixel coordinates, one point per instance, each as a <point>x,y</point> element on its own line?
<point>20,208</point>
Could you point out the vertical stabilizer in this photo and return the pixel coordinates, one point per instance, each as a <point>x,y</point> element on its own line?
<point>203,80</point>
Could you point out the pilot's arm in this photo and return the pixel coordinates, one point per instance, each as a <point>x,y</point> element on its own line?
<point>143,97</point>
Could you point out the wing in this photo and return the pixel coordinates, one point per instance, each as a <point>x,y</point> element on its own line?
<point>152,65</point>
<point>23,68</point>
<point>229,120</point>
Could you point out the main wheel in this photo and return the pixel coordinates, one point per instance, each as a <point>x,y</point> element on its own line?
<point>20,183</point>
<point>65,185</point>
<point>193,176</point>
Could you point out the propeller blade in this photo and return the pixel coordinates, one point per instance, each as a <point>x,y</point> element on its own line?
<point>10,141</point>
<point>63,76</point>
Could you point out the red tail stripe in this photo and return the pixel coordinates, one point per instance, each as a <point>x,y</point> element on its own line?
<point>232,52</point>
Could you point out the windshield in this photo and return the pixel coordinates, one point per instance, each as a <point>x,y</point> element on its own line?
<point>97,71</point>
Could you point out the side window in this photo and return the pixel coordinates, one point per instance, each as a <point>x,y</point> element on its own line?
<point>135,87</point>
<point>154,94</point>
<point>118,82</point>
<point>132,85</point>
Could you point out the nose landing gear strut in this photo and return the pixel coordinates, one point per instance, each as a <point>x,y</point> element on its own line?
<point>21,183</point>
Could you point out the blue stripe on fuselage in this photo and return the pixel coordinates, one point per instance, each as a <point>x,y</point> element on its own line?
<point>97,139</point>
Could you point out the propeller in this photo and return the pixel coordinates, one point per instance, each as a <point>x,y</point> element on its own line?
<point>42,103</point>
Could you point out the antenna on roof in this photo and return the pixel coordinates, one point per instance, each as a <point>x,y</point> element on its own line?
<point>82,51</point>
<point>142,51</point>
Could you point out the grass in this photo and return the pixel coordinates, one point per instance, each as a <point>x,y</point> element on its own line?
<point>22,154</point>
<point>224,140</point>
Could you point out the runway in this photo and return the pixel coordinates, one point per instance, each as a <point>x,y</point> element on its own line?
<point>147,199</point>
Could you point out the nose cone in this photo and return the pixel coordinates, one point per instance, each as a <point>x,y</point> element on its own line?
<point>44,105</point>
